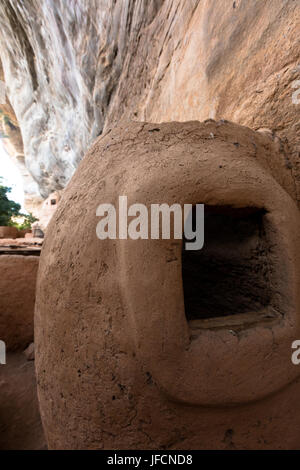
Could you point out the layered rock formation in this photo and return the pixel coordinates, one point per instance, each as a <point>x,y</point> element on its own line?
<point>11,137</point>
<point>62,62</point>
<point>73,68</point>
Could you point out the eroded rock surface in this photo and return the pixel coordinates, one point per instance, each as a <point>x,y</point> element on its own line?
<point>73,68</point>
<point>11,138</point>
<point>62,62</point>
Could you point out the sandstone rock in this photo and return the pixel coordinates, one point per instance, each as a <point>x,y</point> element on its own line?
<point>17,286</point>
<point>134,350</point>
<point>13,143</point>
<point>86,44</point>
<point>74,68</point>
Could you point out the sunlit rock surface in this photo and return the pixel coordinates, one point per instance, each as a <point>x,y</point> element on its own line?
<point>62,62</point>
<point>73,68</point>
<point>12,141</point>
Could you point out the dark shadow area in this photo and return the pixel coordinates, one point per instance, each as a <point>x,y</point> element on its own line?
<point>231,274</point>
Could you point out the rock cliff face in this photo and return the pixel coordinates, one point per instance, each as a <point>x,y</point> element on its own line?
<point>73,68</point>
<point>13,144</point>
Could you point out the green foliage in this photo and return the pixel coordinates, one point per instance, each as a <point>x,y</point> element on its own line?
<point>28,220</point>
<point>10,211</point>
<point>8,208</point>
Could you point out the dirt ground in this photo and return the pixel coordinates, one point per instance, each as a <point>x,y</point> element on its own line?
<point>20,423</point>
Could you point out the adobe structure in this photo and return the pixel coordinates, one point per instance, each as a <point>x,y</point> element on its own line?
<point>20,424</point>
<point>18,279</point>
<point>48,208</point>
<point>141,345</point>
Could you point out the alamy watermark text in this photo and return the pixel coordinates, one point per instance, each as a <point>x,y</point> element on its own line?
<point>153,224</point>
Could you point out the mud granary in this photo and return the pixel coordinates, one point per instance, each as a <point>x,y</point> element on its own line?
<point>141,344</point>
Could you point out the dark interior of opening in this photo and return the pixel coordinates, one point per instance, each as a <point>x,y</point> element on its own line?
<point>231,274</point>
<point>17,251</point>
